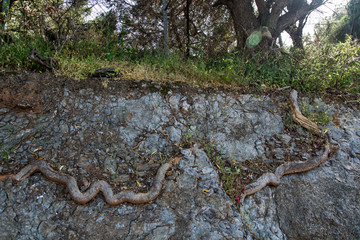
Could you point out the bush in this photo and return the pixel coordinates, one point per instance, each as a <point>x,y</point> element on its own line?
<point>320,67</point>
<point>329,66</point>
<point>13,54</point>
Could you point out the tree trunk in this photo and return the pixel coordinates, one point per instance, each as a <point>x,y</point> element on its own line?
<point>244,19</point>
<point>296,32</point>
<point>187,16</point>
<point>166,34</point>
<point>277,16</point>
<point>296,38</point>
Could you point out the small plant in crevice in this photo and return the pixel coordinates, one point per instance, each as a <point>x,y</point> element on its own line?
<point>6,155</point>
<point>189,139</point>
<point>317,115</point>
<point>114,178</point>
<point>230,174</point>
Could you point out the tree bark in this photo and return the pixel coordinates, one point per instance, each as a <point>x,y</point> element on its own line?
<point>187,16</point>
<point>296,31</point>
<point>244,19</point>
<point>165,22</point>
<point>277,15</point>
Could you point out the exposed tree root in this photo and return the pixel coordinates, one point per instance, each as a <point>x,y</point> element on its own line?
<point>284,169</point>
<point>129,196</point>
<point>299,118</point>
<point>95,188</point>
<point>292,167</point>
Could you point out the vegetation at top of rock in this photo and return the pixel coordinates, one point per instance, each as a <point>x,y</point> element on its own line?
<point>83,36</point>
<point>344,21</point>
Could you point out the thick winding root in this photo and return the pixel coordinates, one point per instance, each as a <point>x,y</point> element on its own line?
<point>284,169</point>
<point>95,188</point>
<point>292,167</point>
<point>299,118</point>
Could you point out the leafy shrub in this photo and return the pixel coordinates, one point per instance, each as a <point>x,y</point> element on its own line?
<point>331,66</point>
<point>13,54</point>
<point>320,67</point>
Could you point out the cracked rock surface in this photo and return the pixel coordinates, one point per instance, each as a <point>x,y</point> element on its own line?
<point>124,132</point>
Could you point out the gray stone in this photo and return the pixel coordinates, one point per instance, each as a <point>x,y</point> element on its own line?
<point>83,161</point>
<point>110,164</point>
<point>279,154</point>
<point>285,138</point>
<point>316,209</point>
<point>64,128</point>
<point>355,148</point>
<point>107,112</point>
<point>175,134</point>
<point>114,131</point>
<point>174,101</point>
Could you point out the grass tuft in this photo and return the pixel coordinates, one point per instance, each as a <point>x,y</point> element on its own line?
<point>320,67</point>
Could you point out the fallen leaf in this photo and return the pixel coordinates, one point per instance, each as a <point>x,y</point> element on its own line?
<point>336,120</point>
<point>176,160</point>
<point>206,191</point>
<point>138,183</point>
<point>36,149</point>
<point>129,116</point>
<point>85,182</point>
<point>218,166</point>
<point>99,207</point>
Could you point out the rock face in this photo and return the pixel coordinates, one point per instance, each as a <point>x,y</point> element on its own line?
<point>320,204</point>
<point>123,133</point>
<point>329,195</point>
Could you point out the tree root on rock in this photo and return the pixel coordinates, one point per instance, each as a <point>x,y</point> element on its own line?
<point>95,188</point>
<point>299,118</point>
<point>137,198</point>
<point>292,167</point>
<point>285,169</point>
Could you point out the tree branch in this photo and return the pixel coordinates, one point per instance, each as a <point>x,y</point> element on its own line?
<point>276,11</point>
<point>220,3</point>
<point>263,10</point>
<point>294,14</point>
<point>49,63</point>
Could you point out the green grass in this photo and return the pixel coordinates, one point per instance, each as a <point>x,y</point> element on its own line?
<point>13,54</point>
<point>321,67</point>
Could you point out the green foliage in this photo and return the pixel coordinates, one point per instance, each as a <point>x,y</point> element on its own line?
<point>344,21</point>
<point>316,114</point>
<point>321,66</point>
<point>13,53</point>
<point>271,69</point>
<point>7,154</point>
<point>334,28</point>
<point>230,174</point>
<point>331,66</point>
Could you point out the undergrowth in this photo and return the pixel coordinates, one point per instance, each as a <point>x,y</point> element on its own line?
<point>319,67</point>
<point>230,174</point>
